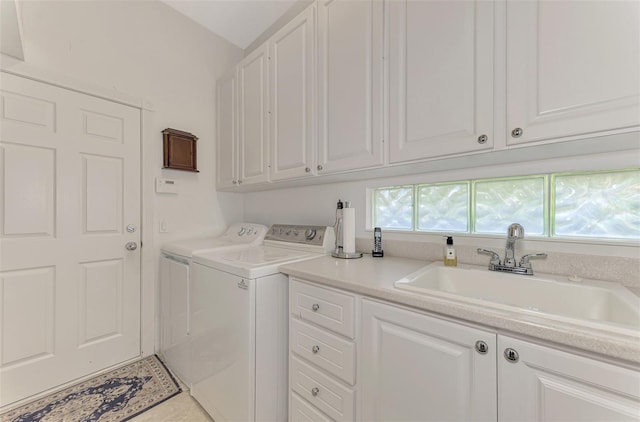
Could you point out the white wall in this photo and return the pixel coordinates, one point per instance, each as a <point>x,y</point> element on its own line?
<point>145,49</point>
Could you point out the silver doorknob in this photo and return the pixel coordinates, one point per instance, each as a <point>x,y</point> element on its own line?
<point>482,347</point>
<point>517,132</point>
<point>511,355</point>
<point>131,246</point>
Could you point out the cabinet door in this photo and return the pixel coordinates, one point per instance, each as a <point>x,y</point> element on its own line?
<point>350,42</point>
<point>547,384</point>
<point>253,117</point>
<point>292,60</point>
<point>227,109</point>
<point>572,68</point>
<point>416,367</point>
<point>441,78</point>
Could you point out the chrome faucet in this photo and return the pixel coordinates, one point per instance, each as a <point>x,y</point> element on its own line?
<point>514,232</point>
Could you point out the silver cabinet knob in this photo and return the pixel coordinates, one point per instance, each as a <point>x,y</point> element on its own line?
<point>517,132</point>
<point>131,246</point>
<point>315,349</point>
<point>482,347</point>
<point>315,307</point>
<point>319,167</point>
<point>315,391</point>
<point>307,169</point>
<point>511,355</point>
<point>235,182</point>
<point>239,181</point>
<point>482,139</point>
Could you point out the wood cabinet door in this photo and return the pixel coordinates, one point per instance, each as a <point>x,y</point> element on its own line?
<point>253,117</point>
<point>227,135</point>
<point>350,85</point>
<point>440,78</point>
<point>551,385</point>
<point>293,77</point>
<point>572,68</point>
<point>416,367</point>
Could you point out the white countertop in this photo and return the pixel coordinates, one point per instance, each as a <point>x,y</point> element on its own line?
<point>374,277</point>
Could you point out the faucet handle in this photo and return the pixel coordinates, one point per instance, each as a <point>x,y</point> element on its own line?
<point>524,261</point>
<point>495,258</point>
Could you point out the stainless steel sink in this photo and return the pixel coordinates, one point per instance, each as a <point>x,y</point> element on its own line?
<point>585,301</point>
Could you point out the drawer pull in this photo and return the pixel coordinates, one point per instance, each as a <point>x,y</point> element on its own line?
<point>315,349</point>
<point>315,307</point>
<point>315,391</point>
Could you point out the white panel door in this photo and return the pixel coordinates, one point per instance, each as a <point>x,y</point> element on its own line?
<point>544,384</point>
<point>253,117</point>
<point>572,68</point>
<point>70,183</point>
<point>350,84</point>
<point>441,78</point>
<point>419,368</point>
<point>227,139</point>
<point>292,59</point>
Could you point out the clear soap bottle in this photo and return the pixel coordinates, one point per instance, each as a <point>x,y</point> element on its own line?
<point>450,258</point>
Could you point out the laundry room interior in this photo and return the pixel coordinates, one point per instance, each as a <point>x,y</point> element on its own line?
<point>320,210</point>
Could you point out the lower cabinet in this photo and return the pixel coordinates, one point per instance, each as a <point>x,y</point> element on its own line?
<point>420,368</point>
<point>353,358</point>
<point>538,383</point>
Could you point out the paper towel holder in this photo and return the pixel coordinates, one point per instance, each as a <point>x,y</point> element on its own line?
<point>338,253</point>
<point>338,228</point>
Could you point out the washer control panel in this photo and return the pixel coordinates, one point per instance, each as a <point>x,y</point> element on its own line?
<point>302,234</point>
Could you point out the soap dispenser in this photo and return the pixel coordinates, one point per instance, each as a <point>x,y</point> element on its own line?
<point>450,258</point>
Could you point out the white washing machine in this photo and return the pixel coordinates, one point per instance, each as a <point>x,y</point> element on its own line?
<point>175,286</point>
<point>239,323</point>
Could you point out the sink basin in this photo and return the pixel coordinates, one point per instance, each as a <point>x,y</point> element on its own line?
<point>593,301</point>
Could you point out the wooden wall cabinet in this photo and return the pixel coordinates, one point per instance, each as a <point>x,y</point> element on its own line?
<point>180,151</point>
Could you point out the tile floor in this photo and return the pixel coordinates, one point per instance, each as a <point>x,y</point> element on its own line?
<point>180,408</point>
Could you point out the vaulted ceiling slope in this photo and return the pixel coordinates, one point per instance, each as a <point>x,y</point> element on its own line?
<point>238,21</point>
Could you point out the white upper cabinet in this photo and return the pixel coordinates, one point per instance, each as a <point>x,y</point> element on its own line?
<point>293,111</point>
<point>227,108</point>
<point>572,68</point>
<point>440,78</point>
<point>350,85</point>
<point>253,117</point>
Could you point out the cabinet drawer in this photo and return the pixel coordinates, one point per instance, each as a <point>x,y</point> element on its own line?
<point>337,401</point>
<point>302,411</point>
<point>327,308</point>
<point>332,353</point>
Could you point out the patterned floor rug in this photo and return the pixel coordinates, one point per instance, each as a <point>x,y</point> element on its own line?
<point>115,396</point>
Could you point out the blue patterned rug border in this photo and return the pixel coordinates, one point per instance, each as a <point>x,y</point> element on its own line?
<point>138,386</point>
<point>163,400</point>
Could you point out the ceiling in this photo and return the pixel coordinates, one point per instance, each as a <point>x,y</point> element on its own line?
<point>238,21</point>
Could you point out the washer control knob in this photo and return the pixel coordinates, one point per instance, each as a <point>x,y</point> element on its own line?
<point>309,234</point>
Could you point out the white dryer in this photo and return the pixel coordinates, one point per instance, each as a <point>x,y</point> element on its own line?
<point>175,285</point>
<point>239,320</point>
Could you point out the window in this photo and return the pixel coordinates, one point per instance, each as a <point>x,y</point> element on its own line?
<point>602,204</point>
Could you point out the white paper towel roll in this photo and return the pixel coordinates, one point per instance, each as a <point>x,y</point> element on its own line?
<point>349,230</point>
